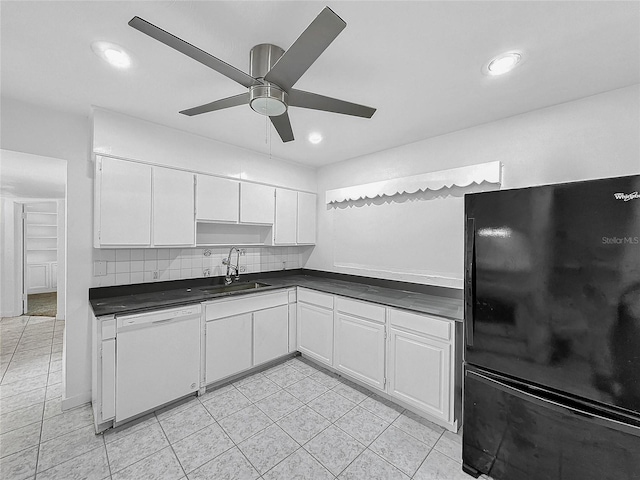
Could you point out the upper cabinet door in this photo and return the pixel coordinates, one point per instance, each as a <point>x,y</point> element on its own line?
<point>306,218</point>
<point>217,199</point>
<point>256,203</point>
<point>123,203</point>
<point>173,209</point>
<point>285,220</point>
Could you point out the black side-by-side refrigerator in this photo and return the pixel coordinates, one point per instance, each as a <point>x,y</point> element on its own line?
<point>552,332</point>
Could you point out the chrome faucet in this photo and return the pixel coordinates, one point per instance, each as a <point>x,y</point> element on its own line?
<point>236,268</point>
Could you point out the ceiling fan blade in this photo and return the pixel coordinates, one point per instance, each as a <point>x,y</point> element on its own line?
<point>300,98</point>
<point>194,52</point>
<point>283,127</point>
<point>306,49</point>
<point>234,101</point>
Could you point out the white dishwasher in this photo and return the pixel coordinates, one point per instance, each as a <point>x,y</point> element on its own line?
<point>157,358</point>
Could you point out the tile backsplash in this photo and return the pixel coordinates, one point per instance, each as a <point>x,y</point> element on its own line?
<point>126,266</point>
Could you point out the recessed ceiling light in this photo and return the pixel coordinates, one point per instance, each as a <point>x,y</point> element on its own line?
<point>112,53</point>
<point>315,138</point>
<point>503,63</point>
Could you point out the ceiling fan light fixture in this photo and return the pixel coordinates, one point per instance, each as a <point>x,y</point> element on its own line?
<point>112,53</point>
<point>268,100</point>
<point>503,63</point>
<point>315,137</point>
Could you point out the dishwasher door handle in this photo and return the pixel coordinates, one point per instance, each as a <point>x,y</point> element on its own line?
<point>167,320</point>
<point>130,324</point>
<point>149,318</point>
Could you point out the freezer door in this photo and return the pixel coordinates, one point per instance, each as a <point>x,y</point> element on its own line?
<point>552,289</point>
<point>512,432</point>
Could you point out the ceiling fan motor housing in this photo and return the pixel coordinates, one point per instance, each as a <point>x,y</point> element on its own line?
<point>267,99</point>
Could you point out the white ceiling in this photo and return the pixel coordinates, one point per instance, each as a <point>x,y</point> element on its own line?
<point>419,63</point>
<point>31,176</point>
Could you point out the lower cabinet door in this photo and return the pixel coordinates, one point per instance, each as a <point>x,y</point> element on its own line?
<point>108,379</point>
<point>420,372</point>
<point>228,346</point>
<point>359,349</point>
<point>270,334</point>
<point>315,332</point>
<point>37,277</point>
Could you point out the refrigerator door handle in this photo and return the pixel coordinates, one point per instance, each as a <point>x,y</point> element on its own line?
<point>469,279</point>
<point>554,405</point>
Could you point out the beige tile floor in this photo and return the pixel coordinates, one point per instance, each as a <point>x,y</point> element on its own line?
<point>293,421</point>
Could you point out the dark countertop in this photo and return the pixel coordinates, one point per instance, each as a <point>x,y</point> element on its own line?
<point>135,298</point>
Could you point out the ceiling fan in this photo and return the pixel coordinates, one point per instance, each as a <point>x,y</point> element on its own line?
<point>272,73</point>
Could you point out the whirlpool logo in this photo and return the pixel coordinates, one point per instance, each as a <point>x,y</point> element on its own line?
<point>625,197</point>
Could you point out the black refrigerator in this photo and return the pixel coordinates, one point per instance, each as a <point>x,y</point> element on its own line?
<point>552,332</point>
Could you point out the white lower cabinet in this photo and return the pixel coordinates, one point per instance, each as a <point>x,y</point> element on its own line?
<point>108,378</point>
<point>410,357</point>
<point>103,388</point>
<point>315,325</point>
<point>270,334</point>
<point>420,362</point>
<point>244,332</point>
<point>359,346</point>
<point>228,346</point>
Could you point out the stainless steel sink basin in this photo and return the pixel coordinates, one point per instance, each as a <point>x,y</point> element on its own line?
<point>234,287</point>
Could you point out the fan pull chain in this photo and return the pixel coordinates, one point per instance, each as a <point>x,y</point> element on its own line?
<point>269,138</point>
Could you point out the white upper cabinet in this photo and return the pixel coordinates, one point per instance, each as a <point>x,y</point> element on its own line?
<point>140,205</point>
<point>295,219</point>
<point>285,220</point>
<point>173,210</point>
<point>306,224</point>
<point>123,203</point>
<point>257,203</point>
<point>217,199</point>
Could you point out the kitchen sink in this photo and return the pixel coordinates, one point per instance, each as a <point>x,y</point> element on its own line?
<point>234,287</point>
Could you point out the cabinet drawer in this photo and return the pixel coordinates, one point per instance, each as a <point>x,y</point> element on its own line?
<point>316,298</point>
<point>370,311</point>
<point>425,324</point>
<point>245,304</point>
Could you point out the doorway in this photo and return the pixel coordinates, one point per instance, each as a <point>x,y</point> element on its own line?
<point>40,255</point>
<point>32,235</point>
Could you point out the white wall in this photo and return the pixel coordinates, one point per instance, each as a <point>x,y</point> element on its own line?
<point>62,259</point>
<point>33,129</point>
<point>130,138</point>
<point>589,138</point>
<point>10,273</point>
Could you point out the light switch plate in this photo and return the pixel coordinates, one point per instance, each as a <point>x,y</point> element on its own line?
<point>99,268</point>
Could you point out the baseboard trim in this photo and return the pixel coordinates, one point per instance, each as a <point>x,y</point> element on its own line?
<point>76,401</point>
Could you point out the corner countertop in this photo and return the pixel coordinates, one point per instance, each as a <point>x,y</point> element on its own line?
<point>107,301</point>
